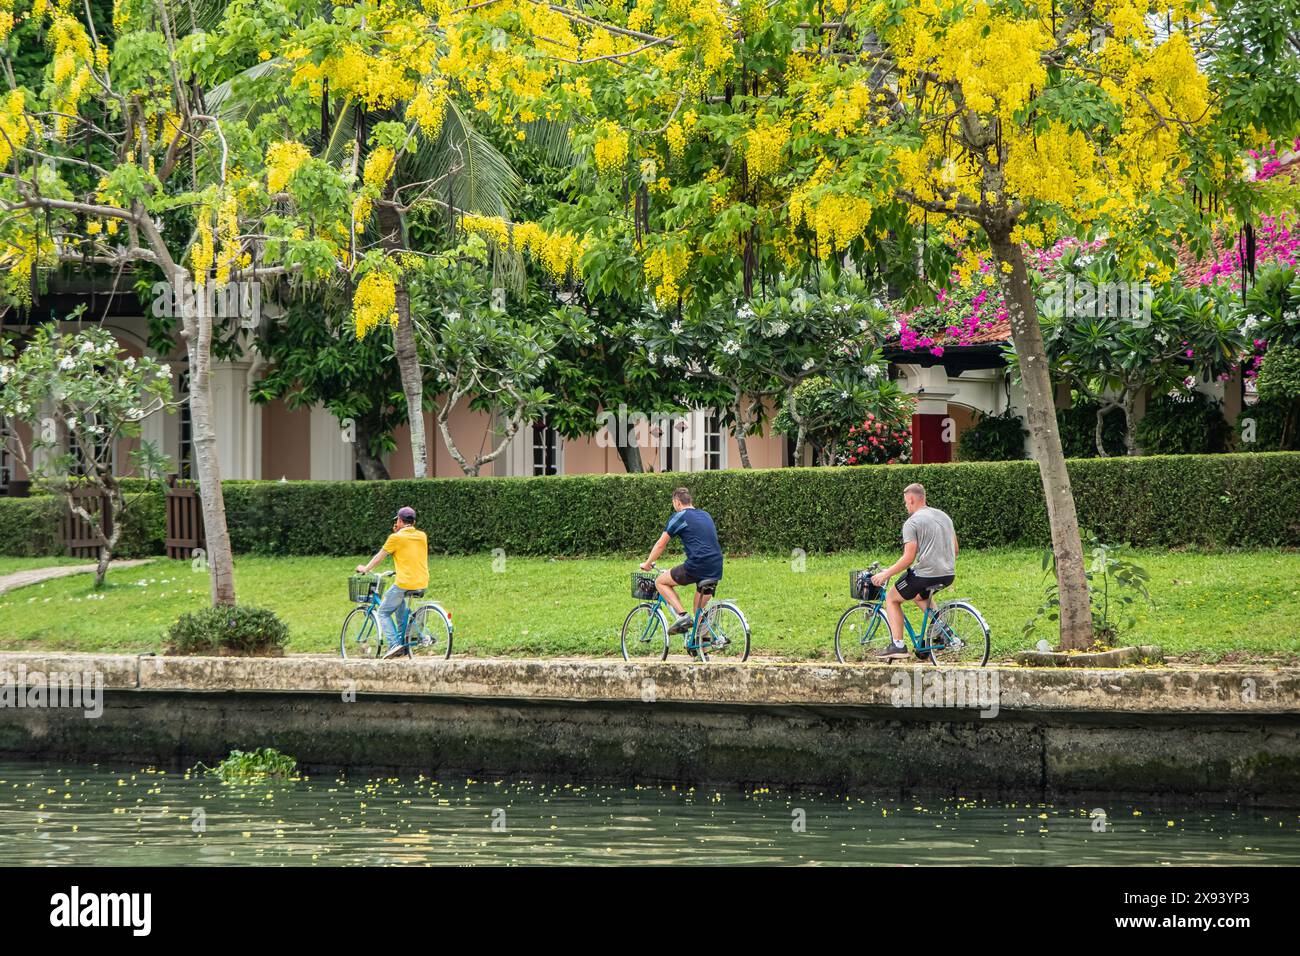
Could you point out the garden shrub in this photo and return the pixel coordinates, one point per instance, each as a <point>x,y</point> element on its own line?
<point>1189,425</point>
<point>239,630</point>
<point>994,438</point>
<point>1266,422</point>
<point>1279,387</point>
<point>1078,427</point>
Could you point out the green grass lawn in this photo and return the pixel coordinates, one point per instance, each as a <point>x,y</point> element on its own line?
<point>1211,607</point>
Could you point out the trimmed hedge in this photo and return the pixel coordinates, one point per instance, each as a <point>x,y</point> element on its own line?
<point>31,526</point>
<point>1212,501</point>
<point>1240,500</point>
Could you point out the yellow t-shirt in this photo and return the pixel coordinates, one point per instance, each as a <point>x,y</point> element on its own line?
<point>410,550</point>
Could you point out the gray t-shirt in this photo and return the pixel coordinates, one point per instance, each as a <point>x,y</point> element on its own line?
<point>933,533</point>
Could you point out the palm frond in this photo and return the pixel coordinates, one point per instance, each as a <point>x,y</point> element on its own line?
<point>553,138</point>
<point>191,16</point>
<point>222,102</point>
<point>480,178</point>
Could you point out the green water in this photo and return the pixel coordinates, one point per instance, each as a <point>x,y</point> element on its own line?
<point>94,815</point>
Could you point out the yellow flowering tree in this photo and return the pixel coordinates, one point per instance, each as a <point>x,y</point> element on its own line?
<point>268,150</point>
<point>114,164</point>
<point>756,140</point>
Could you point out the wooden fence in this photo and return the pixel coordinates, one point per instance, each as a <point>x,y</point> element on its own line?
<point>78,533</point>
<point>184,518</point>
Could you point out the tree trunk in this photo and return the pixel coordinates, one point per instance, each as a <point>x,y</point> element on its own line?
<point>742,426</point>
<point>742,445</point>
<point>393,238</point>
<point>408,364</point>
<point>1130,423</point>
<point>372,467</point>
<point>1045,442</point>
<point>1099,436</point>
<point>801,432</point>
<point>109,518</point>
<point>198,344</point>
<point>631,456</point>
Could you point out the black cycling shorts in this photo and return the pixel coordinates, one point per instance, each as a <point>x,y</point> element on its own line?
<point>911,585</point>
<point>682,575</point>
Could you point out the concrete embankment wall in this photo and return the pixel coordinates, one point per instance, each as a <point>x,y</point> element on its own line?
<point>1182,735</point>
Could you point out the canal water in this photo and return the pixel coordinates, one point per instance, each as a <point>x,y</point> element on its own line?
<point>97,815</point>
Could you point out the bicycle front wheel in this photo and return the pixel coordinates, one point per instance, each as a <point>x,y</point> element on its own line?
<point>645,636</point>
<point>361,638</point>
<point>724,632</point>
<point>429,633</point>
<point>862,633</point>
<point>958,636</point>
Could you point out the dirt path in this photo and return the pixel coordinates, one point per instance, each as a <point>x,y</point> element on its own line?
<point>21,579</point>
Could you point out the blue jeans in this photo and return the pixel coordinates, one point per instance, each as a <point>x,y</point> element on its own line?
<point>393,614</point>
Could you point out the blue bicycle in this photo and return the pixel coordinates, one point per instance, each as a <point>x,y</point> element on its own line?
<point>428,631</point>
<point>952,633</point>
<point>719,628</point>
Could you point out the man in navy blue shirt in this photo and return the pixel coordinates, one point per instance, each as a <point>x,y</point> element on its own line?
<point>703,564</point>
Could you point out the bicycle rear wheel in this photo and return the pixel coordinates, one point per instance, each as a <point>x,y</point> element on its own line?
<point>724,632</point>
<point>361,637</point>
<point>958,636</point>
<point>645,634</point>
<point>429,633</point>
<point>862,633</point>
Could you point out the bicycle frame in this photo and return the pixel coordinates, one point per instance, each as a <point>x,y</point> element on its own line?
<point>659,604</point>
<point>916,639</point>
<point>374,600</point>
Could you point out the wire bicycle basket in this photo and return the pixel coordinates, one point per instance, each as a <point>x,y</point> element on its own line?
<point>860,586</point>
<point>643,585</point>
<point>362,586</point>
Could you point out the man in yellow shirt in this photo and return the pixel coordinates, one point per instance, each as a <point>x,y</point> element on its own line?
<point>410,550</point>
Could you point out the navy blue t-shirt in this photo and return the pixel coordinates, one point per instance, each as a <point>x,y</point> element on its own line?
<point>699,538</point>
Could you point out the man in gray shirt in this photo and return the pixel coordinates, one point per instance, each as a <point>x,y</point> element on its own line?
<point>930,558</point>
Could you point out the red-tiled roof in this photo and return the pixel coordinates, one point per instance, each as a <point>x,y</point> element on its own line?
<point>997,332</point>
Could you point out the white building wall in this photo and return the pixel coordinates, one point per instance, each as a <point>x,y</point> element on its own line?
<point>333,448</point>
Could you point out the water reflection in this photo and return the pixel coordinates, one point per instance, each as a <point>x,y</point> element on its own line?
<point>94,815</point>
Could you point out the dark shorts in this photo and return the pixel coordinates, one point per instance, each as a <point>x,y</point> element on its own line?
<point>684,575</point>
<point>912,585</point>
